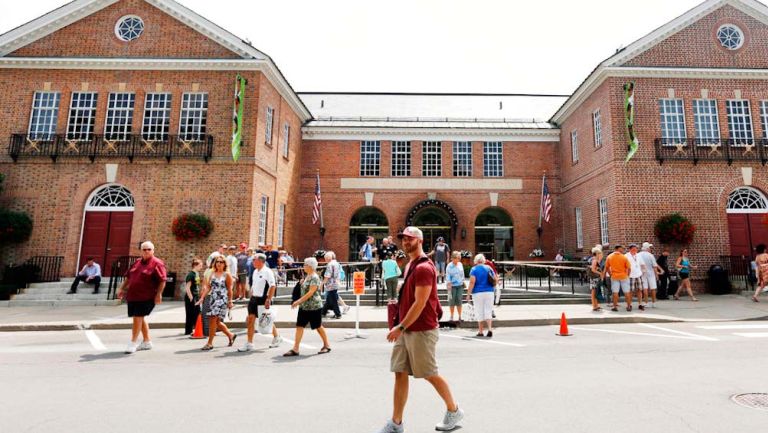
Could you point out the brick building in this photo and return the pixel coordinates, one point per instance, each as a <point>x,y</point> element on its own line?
<point>118,114</point>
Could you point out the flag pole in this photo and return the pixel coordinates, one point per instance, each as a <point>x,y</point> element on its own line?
<point>322,222</point>
<point>539,229</point>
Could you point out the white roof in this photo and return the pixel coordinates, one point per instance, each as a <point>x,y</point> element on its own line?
<point>439,108</point>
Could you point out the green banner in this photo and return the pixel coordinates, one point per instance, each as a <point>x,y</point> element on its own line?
<point>237,117</point>
<point>629,109</point>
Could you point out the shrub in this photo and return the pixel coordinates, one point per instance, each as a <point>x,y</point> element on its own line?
<point>191,226</point>
<point>674,228</point>
<point>15,227</point>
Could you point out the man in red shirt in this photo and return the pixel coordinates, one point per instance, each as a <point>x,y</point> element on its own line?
<point>143,287</point>
<point>416,335</point>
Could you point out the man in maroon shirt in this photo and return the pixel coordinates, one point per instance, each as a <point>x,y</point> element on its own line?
<point>416,335</point>
<point>143,287</point>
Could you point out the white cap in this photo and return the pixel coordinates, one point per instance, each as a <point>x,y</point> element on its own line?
<point>646,246</point>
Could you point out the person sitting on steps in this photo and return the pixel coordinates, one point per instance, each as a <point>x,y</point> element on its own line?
<point>91,273</point>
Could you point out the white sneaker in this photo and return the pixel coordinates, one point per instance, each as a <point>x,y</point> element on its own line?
<point>276,341</point>
<point>131,348</point>
<point>346,309</point>
<point>653,305</point>
<point>450,420</point>
<point>145,345</point>
<point>247,347</point>
<point>391,427</point>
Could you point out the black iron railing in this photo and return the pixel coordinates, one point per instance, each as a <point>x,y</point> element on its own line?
<point>739,270</point>
<point>100,146</point>
<point>47,268</point>
<point>695,150</point>
<point>117,274</point>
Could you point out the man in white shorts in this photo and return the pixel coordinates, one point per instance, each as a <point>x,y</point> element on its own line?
<point>651,270</point>
<point>635,276</point>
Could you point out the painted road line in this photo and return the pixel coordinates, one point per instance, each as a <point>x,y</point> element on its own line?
<point>289,341</point>
<point>752,334</point>
<point>483,340</point>
<point>95,340</point>
<point>732,327</point>
<point>674,331</point>
<point>646,334</point>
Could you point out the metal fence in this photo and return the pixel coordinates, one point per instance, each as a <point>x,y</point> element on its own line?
<point>117,274</point>
<point>739,270</point>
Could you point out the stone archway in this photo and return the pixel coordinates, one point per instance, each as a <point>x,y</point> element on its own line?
<point>107,225</point>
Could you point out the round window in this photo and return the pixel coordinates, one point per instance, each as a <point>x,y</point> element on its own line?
<point>730,36</point>
<point>129,28</point>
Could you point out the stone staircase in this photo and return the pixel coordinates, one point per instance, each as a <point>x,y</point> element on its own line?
<point>55,295</point>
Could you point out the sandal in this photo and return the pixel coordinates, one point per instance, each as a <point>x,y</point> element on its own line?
<point>291,353</point>
<point>597,309</point>
<point>694,300</point>
<point>324,350</point>
<point>676,298</point>
<point>479,334</point>
<point>754,298</point>
<point>232,340</point>
<point>207,347</point>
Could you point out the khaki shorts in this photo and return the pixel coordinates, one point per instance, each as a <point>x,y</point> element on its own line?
<point>414,353</point>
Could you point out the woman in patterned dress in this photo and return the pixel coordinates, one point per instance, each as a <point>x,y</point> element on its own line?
<point>762,270</point>
<point>310,308</point>
<point>219,286</point>
<point>596,276</point>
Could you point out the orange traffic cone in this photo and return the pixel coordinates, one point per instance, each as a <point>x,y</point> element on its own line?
<point>198,329</point>
<point>564,327</point>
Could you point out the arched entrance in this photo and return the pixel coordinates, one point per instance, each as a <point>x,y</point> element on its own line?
<point>747,208</point>
<point>107,226</point>
<point>367,221</point>
<point>436,219</point>
<point>494,234</point>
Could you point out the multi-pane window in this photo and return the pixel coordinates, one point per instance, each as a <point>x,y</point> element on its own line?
<point>493,163</point>
<point>401,158</point>
<point>370,156</point>
<point>286,139</point>
<point>739,121</point>
<point>82,116</point>
<point>705,121</point>
<point>597,128</point>
<point>119,124</point>
<point>764,117</point>
<point>462,158</point>
<point>280,224</point>
<point>672,121</point>
<point>263,219</point>
<point>574,146</point>
<point>579,232</point>
<point>603,205</point>
<point>157,117</point>
<point>432,159</point>
<point>194,116</point>
<point>45,115</point>
<point>268,129</point>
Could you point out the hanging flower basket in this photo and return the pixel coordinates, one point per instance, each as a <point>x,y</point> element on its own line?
<point>674,228</point>
<point>191,226</point>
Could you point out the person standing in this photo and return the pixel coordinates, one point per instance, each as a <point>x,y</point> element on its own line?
<point>663,262</point>
<point>143,288</point>
<point>232,267</point>
<point>559,258</point>
<point>761,260</point>
<point>651,271</point>
<point>390,273</point>
<point>596,275</point>
<point>221,251</point>
<point>331,285</point>
<point>192,295</point>
<point>440,254</point>
<point>219,287</point>
<point>272,256</point>
<point>242,270</point>
<point>386,249</point>
<point>91,273</point>
<point>618,267</point>
<point>683,266</point>
<point>481,288</point>
<point>262,291</point>
<point>416,336</point>
<point>310,306</point>
<point>455,274</point>
<point>635,277</point>
<point>367,253</point>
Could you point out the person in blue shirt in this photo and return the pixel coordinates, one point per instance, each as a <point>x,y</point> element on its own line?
<point>390,273</point>
<point>482,284</point>
<point>91,273</point>
<point>455,274</point>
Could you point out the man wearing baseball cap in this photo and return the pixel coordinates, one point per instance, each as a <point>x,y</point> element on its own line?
<point>416,335</point>
<point>651,270</point>
<point>242,270</point>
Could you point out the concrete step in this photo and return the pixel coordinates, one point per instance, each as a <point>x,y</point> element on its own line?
<point>67,303</point>
<point>61,290</point>
<point>86,296</point>
<point>530,301</point>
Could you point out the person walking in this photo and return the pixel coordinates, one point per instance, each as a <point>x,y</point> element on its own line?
<point>143,289</point>
<point>440,254</point>
<point>618,267</point>
<point>263,289</point>
<point>481,287</point>
<point>635,277</point>
<point>90,274</point>
<point>192,295</point>
<point>390,274</point>
<point>596,275</point>
<point>761,260</point>
<point>683,266</point>
<point>416,336</point>
<point>331,279</point>
<point>454,272</point>
<point>310,306</point>
<point>219,287</point>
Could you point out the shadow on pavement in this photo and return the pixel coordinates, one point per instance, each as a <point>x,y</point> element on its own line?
<point>89,357</point>
<point>236,354</point>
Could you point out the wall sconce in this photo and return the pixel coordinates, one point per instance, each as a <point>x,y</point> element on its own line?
<point>464,233</point>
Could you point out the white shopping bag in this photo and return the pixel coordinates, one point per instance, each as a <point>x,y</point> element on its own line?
<point>468,312</point>
<point>266,321</point>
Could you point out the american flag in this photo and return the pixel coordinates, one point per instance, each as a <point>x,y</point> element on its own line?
<point>546,202</point>
<point>318,202</point>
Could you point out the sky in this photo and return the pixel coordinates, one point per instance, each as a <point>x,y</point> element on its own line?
<point>430,46</point>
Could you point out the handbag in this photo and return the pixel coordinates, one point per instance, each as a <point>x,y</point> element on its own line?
<point>266,321</point>
<point>491,277</point>
<point>468,312</point>
<point>296,294</point>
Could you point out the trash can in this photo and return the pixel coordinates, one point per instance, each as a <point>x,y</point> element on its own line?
<point>169,292</point>
<point>717,280</point>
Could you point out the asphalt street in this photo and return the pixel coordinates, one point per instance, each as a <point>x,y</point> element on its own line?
<point>625,378</point>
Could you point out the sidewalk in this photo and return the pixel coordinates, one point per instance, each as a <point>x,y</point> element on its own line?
<point>171,315</point>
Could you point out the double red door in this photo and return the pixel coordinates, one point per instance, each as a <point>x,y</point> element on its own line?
<point>106,236</point>
<point>747,231</point>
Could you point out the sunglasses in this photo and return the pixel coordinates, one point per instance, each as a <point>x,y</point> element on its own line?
<point>219,261</point>
<point>146,249</point>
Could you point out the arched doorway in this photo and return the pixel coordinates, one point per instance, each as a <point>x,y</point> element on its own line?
<point>436,219</point>
<point>494,234</point>
<point>747,208</point>
<point>367,221</point>
<point>107,226</point>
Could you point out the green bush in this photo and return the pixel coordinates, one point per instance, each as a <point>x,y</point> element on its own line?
<point>15,227</point>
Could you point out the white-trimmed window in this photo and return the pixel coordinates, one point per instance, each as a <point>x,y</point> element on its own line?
<point>574,146</point>
<point>597,128</point>
<point>157,117</point>
<point>280,224</point>
<point>579,232</point>
<point>432,159</point>
<point>739,121</point>
<point>493,159</point>
<point>462,158</point>
<point>268,129</point>
<point>705,121</point>
<point>119,123</point>
<point>194,116</point>
<point>263,212</point>
<point>603,209</point>
<point>672,121</point>
<point>286,139</point>
<point>45,115</point>
<point>764,117</point>
<point>401,158</point>
<point>82,116</point>
<point>370,156</point>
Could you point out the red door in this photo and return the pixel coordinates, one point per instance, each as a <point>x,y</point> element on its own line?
<point>106,236</point>
<point>747,231</point>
